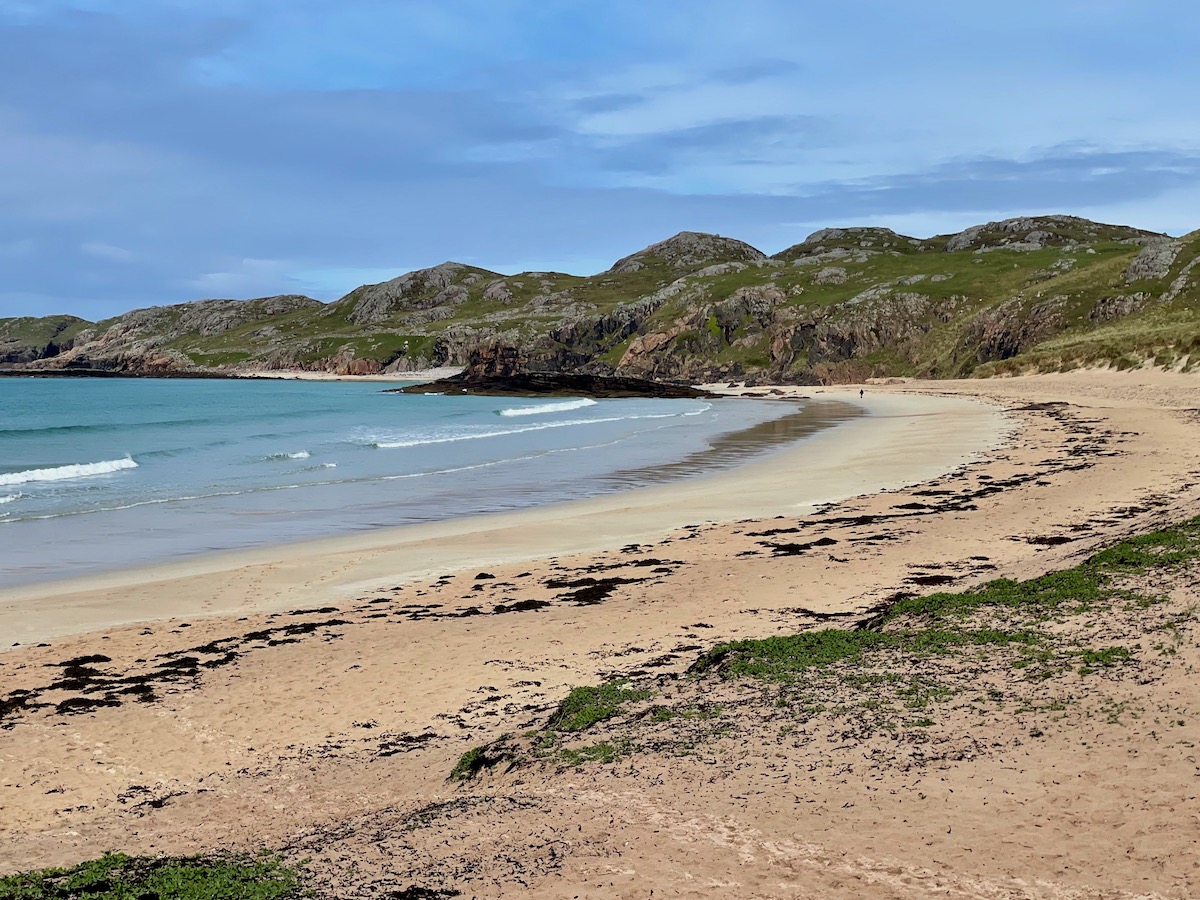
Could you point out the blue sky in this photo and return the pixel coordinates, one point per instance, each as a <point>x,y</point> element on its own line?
<point>157,151</point>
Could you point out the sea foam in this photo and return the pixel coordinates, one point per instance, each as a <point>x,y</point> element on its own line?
<point>63,473</point>
<point>547,408</point>
<point>419,441</point>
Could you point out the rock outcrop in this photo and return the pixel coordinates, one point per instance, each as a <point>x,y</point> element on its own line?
<point>28,339</point>
<point>688,250</point>
<point>1154,261</point>
<point>1035,232</point>
<point>441,285</point>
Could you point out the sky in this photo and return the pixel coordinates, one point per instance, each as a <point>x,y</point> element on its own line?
<point>159,151</point>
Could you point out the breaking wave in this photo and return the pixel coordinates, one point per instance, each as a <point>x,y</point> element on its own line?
<point>63,473</point>
<point>480,435</point>
<point>546,408</point>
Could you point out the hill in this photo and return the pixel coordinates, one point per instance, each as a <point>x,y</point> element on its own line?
<point>846,304</point>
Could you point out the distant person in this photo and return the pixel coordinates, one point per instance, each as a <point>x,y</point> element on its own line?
<point>860,393</point>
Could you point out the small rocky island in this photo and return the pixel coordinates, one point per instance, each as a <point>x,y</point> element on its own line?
<point>501,371</point>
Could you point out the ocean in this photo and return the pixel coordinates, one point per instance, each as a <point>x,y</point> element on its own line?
<point>110,473</point>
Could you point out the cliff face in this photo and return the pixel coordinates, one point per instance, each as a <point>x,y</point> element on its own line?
<point>844,304</point>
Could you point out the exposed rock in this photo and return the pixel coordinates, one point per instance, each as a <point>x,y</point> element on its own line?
<point>1005,331</point>
<point>136,359</point>
<point>722,269</point>
<point>557,299</point>
<point>372,304</point>
<point>1181,282</point>
<point>872,293</point>
<point>345,363</point>
<point>498,292</point>
<point>830,275</point>
<point>213,317</point>
<point>136,342</point>
<point>425,316</point>
<point>1154,261</point>
<point>1035,232</point>
<point>576,342</point>
<point>688,249</point>
<point>503,372</point>
<point>451,296</point>
<point>862,242</point>
<point>28,339</point>
<point>1109,308</point>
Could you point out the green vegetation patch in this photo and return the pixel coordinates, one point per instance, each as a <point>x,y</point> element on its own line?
<point>582,708</point>
<point>116,876</point>
<point>1001,613</point>
<point>993,647</point>
<point>585,706</point>
<point>30,330</point>
<point>477,759</point>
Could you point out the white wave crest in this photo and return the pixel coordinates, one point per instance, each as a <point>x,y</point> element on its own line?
<point>10,498</point>
<point>546,408</point>
<point>480,435</point>
<point>300,454</point>
<point>63,473</point>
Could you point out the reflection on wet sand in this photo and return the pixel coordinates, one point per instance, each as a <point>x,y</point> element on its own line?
<point>738,446</point>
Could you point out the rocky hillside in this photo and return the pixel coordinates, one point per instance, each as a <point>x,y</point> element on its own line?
<point>846,304</point>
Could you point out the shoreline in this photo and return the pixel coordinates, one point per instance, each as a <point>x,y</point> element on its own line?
<point>848,459</point>
<point>271,374</point>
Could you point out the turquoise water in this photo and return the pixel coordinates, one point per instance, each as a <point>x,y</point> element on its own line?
<point>100,474</point>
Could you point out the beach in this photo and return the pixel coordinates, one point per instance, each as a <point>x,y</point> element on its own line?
<point>314,697</point>
<point>901,440</point>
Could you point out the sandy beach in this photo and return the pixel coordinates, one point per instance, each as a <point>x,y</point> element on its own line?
<point>314,698</point>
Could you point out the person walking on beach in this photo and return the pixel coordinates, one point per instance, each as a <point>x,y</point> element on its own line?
<point>860,393</point>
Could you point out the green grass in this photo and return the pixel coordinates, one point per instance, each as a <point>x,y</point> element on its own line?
<point>479,758</point>
<point>936,624</point>
<point>892,673</point>
<point>116,876</point>
<point>37,333</point>
<point>603,752</point>
<point>583,707</point>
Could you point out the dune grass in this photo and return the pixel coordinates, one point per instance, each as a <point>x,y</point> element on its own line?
<point>116,876</point>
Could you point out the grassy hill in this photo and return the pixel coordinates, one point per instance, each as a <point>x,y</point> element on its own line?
<point>1047,292</point>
